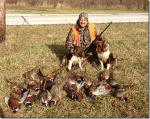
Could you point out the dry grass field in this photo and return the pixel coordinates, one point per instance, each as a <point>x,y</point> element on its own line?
<point>43,46</point>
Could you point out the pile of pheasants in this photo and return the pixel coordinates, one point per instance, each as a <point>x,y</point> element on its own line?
<point>47,89</point>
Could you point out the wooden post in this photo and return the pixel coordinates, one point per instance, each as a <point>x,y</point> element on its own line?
<point>2,21</point>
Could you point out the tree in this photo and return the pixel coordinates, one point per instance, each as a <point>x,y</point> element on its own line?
<point>145,4</point>
<point>2,21</point>
<point>121,2</point>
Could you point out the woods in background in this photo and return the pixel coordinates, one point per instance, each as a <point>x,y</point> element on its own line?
<point>88,4</point>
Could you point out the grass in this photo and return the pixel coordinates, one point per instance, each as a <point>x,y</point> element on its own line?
<point>30,46</point>
<point>43,10</point>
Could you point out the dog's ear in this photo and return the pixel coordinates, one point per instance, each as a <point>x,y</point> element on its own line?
<point>83,54</point>
<point>99,43</point>
<point>105,45</point>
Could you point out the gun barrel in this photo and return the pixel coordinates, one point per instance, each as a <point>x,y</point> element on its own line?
<point>105,28</point>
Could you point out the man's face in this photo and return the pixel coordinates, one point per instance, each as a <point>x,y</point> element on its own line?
<point>83,22</point>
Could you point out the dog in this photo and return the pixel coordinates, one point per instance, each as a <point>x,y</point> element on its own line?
<point>77,57</point>
<point>103,55</point>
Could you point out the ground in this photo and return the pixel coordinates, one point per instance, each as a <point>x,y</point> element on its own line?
<point>43,46</point>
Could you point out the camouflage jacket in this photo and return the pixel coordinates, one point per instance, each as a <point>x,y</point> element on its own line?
<point>84,37</point>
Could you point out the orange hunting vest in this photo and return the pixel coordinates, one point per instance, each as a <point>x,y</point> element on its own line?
<point>76,33</point>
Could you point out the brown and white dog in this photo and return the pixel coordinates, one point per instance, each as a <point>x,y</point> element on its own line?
<point>104,55</point>
<point>78,57</point>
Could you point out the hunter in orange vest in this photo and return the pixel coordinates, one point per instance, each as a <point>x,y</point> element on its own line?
<point>81,34</point>
<point>76,33</point>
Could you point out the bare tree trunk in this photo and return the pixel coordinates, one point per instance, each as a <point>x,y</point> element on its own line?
<point>121,2</point>
<point>2,21</point>
<point>145,4</point>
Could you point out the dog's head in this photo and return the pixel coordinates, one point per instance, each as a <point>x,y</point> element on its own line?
<point>79,51</point>
<point>102,46</point>
<point>105,45</point>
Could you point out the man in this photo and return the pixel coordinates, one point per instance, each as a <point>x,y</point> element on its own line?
<point>81,34</point>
